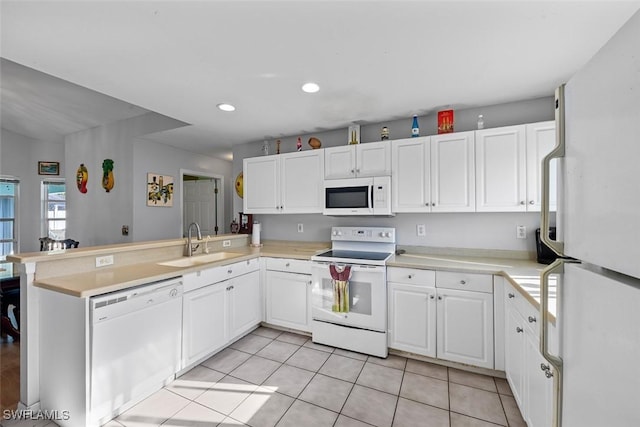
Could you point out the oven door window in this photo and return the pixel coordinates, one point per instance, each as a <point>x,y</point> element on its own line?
<point>359,296</point>
<point>347,197</point>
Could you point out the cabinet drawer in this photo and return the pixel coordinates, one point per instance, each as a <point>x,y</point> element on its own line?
<point>529,313</point>
<point>411,276</point>
<point>465,281</point>
<point>289,265</point>
<point>208,276</point>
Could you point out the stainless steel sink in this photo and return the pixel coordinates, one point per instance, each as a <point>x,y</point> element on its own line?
<point>199,259</point>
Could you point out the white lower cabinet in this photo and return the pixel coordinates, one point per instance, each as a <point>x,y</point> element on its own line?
<point>465,327</point>
<point>216,312</point>
<point>204,322</point>
<point>412,318</point>
<point>532,387</point>
<point>450,324</point>
<point>288,293</point>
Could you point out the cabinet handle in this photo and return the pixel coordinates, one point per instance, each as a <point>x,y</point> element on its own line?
<point>431,297</point>
<point>511,295</point>
<point>281,207</point>
<point>310,282</point>
<point>440,297</point>
<point>548,374</point>
<point>358,170</point>
<point>462,282</point>
<point>287,264</point>
<point>433,203</point>
<point>411,276</point>
<point>519,329</point>
<point>229,271</point>
<point>544,367</point>
<point>532,319</point>
<point>522,202</point>
<point>531,202</point>
<point>353,171</point>
<point>228,288</point>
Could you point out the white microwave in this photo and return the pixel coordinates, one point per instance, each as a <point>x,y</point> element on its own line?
<point>358,196</point>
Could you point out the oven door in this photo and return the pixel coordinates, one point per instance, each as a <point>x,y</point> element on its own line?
<point>366,304</point>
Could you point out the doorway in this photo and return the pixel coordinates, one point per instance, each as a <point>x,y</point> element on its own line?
<point>203,202</point>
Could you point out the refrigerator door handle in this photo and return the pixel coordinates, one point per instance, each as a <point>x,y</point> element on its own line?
<point>556,267</point>
<point>558,151</point>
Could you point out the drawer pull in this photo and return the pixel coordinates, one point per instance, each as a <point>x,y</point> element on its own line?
<point>287,264</point>
<point>532,319</point>
<point>411,276</point>
<point>229,271</point>
<point>519,329</point>
<point>511,295</point>
<point>462,282</point>
<point>440,297</point>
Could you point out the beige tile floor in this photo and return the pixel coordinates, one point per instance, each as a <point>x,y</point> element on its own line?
<point>273,378</point>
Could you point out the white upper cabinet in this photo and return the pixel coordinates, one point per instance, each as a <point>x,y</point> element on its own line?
<point>411,178</point>
<point>261,176</point>
<point>453,172</point>
<point>301,182</point>
<point>434,174</point>
<point>501,169</point>
<point>541,138</point>
<point>286,183</point>
<point>358,160</point>
<point>509,167</point>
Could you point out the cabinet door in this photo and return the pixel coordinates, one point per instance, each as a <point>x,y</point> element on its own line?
<point>541,138</point>
<point>539,388</point>
<point>340,162</point>
<point>500,169</point>
<point>514,348</point>
<point>453,173</point>
<point>465,327</point>
<point>244,303</point>
<point>410,177</point>
<point>288,300</point>
<point>302,179</point>
<point>261,185</point>
<point>204,322</point>
<point>373,159</point>
<point>412,318</point>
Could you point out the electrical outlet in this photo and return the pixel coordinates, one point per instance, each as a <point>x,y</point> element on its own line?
<point>103,261</point>
<point>521,232</point>
<point>421,230</point>
<point>226,243</point>
<point>300,228</point>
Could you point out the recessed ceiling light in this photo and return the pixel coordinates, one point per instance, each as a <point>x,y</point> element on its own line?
<point>226,107</point>
<point>310,87</point>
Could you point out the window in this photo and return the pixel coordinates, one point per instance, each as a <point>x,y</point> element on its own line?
<point>8,215</point>
<point>54,209</point>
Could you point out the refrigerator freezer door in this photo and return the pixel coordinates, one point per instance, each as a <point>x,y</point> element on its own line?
<point>601,198</point>
<point>600,338</point>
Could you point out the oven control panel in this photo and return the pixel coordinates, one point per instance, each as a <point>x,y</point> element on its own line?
<point>364,234</point>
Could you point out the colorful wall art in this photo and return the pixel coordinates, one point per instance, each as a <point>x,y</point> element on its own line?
<point>159,190</point>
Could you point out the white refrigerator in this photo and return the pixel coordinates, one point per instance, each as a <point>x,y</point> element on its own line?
<point>597,367</point>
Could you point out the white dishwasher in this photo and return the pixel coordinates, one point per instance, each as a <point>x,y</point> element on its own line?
<point>135,344</point>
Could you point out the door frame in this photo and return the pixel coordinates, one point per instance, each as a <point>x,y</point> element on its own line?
<point>221,206</point>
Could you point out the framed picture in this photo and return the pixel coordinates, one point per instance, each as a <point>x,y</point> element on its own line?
<point>48,168</point>
<point>159,190</point>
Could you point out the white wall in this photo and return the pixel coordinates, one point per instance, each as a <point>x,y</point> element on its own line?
<point>151,223</point>
<point>459,230</point>
<point>19,156</point>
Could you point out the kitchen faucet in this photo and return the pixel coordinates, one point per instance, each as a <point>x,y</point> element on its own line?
<point>190,247</point>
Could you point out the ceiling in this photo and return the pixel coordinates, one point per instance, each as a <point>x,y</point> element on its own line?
<point>374,61</point>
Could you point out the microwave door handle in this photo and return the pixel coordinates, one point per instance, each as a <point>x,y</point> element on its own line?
<point>371,198</point>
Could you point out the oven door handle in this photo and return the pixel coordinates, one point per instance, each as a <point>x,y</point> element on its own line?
<point>323,266</point>
<point>371,208</point>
